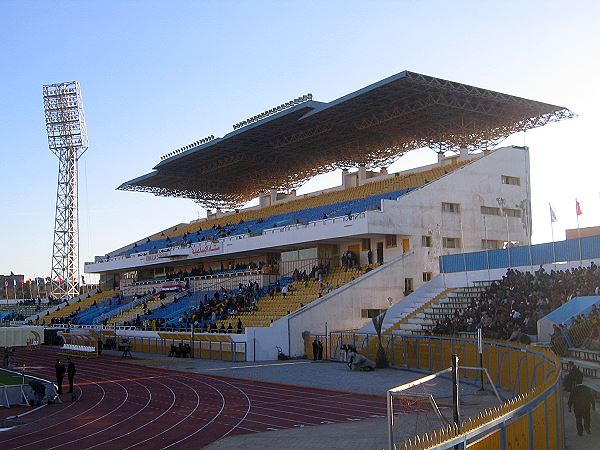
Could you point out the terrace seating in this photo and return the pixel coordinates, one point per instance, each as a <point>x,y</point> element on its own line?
<point>173,311</point>
<point>273,308</point>
<point>151,305</point>
<point>17,311</point>
<point>509,308</point>
<point>88,315</point>
<point>302,210</point>
<point>69,311</point>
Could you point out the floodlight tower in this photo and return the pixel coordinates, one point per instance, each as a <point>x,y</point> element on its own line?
<point>67,139</point>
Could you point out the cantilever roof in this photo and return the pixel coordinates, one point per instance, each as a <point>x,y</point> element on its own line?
<point>372,126</point>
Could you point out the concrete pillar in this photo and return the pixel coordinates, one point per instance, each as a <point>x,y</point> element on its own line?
<point>362,174</point>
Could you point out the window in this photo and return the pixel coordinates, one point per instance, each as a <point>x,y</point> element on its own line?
<point>408,285</point>
<point>390,240</point>
<point>425,241</point>
<point>515,181</point>
<point>426,276</point>
<point>450,207</point>
<point>490,244</point>
<point>451,242</point>
<point>365,245</point>
<point>512,212</point>
<point>490,211</point>
<point>370,313</point>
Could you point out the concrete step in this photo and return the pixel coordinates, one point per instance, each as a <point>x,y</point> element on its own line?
<point>584,354</point>
<point>589,369</point>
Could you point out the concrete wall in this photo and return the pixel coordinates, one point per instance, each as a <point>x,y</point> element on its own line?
<point>340,310</point>
<point>472,186</point>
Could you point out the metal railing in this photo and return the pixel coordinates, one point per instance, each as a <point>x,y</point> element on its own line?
<point>200,347</point>
<point>532,418</point>
<point>532,255</point>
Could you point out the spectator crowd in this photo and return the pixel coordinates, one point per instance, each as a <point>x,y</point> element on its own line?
<point>509,308</point>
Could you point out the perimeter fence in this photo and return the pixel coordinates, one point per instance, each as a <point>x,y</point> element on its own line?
<point>530,419</point>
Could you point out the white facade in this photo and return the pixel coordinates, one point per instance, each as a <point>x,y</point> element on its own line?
<point>417,214</point>
<point>485,202</point>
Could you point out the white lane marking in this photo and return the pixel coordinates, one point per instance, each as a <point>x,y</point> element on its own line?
<point>213,369</point>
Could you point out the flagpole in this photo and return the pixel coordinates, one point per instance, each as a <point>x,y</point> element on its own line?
<point>553,242</point>
<point>525,211</point>
<point>462,245</point>
<point>577,211</point>
<point>487,249</point>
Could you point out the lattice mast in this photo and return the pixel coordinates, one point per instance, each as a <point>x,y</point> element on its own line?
<point>67,139</point>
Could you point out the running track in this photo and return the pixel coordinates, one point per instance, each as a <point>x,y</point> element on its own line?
<point>126,406</point>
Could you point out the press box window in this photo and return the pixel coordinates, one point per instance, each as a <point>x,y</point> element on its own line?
<point>450,242</point>
<point>451,207</point>
<point>490,244</point>
<point>490,211</point>
<point>515,181</point>
<point>512,212</point>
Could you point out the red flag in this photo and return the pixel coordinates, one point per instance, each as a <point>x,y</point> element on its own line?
<point>578,208</point>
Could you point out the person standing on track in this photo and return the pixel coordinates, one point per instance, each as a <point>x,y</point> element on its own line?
<point>71,374</point>
<point>60,374</point>
<point>320,350</point>
<point>581,399</point>
<point>315,349</point>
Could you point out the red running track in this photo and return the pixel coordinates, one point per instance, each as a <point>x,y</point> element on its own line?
<point>124,406</point>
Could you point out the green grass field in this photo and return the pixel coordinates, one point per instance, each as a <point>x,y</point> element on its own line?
<point>9,378</point>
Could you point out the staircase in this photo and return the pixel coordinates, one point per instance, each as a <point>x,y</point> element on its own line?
<point>442,306</point>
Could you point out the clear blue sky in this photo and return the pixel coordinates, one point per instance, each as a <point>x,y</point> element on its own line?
<point>159,75</point>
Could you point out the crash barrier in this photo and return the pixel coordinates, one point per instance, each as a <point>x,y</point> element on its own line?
<point>32,391</point>
<point>530,419</point>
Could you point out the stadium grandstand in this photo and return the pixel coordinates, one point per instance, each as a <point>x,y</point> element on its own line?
<point>435,253</point>
<point>360,247</point>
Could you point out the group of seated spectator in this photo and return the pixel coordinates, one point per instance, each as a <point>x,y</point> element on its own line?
<point>223,303</point>
<point>510,308</point>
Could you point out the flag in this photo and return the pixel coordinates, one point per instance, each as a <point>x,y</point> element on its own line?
<point>552,214</point>
<point>14,282</point>
<point>5,283</point>
<point>22,281</point>
<point>578,208</point>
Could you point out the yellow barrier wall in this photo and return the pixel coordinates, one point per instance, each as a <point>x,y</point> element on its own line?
<point>531,420</point>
